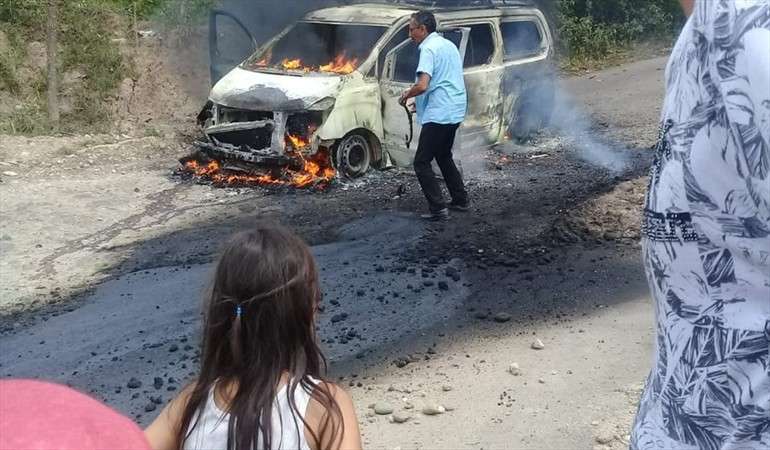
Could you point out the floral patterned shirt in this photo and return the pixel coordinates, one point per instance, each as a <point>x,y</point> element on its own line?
<point>706,237</point>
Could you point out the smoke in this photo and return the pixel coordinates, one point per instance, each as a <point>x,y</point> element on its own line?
<point>265,18</point>
<point>570,121</point>
<point>569,128</point>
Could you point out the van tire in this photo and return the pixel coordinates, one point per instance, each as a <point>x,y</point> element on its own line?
<point>353,155</point>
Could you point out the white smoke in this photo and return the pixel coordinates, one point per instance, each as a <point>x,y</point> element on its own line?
<point>570,121</point>
<point>570,129</point>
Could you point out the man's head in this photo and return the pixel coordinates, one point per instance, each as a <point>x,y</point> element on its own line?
<point>422,24</point>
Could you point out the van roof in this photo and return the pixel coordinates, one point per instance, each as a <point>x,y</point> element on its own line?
<point>390,12</point>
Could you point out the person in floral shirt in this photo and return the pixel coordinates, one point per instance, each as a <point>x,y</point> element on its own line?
<point>706,237</point>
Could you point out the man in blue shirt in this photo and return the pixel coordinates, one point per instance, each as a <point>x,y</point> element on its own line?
<point>441,103</point>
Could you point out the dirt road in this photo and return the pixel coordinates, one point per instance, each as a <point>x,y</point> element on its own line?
<point>97,225</point>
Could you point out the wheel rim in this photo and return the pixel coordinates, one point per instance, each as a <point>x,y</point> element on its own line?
<point>355,155</point>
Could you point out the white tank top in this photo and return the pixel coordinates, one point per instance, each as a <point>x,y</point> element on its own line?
<point>210,432</point>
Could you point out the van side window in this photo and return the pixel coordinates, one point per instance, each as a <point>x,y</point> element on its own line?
<point>453,37</point>
<point>401,36</point>
<point>481,46</point>
<point>521,38</point>
<point>406,63</point>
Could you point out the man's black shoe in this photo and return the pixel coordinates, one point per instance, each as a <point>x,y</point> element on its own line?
<point>459,207</point>
<point>442,214</point>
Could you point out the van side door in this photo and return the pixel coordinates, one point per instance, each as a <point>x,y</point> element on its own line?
<point>529,81</point>
<point>483,75</point>
<point>230,42</point>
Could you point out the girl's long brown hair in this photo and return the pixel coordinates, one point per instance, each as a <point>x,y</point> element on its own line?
<point>269,276</point>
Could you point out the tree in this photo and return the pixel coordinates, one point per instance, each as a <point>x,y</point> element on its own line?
<point>51,51</point>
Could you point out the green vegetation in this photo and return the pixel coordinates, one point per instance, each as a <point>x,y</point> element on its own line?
<point>87,33</point>
<point>594,31</point>
<point>10,58</point>
<point>85,29</point>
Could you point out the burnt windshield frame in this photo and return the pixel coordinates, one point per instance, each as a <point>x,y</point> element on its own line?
<point>317,43</point>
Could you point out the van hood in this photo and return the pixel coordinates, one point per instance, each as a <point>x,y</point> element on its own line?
<point>260,91</point>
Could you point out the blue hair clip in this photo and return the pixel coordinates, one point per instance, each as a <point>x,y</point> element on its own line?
<point>238,311</point>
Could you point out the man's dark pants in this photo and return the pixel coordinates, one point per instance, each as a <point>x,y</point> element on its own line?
<point>436,141</point>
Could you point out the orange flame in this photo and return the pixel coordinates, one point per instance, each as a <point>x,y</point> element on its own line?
<point>294,64</point>
<point>316,170</point>
<point>340,65</point>
<point>297,142</point>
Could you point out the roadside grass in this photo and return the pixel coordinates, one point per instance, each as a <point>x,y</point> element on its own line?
<point>635,51</point>
<point>89,36</point>
<point>86,29</point>
<point>594,34</point>
<point>90,49</point>
<point>10,57</point>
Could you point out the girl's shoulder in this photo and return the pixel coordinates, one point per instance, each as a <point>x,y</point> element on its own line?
<point>332,414</point>
<point>323,389</point>
<point>162,433</point>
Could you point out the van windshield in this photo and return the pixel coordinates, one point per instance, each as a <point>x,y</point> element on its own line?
<point>319,48</point>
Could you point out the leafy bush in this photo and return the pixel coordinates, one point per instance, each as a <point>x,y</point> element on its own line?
<point>583,39</point>
<point>183,14</point>
<point>90,47</point>
<point>9,61</point>
<point>22,13</point>
<point>86,32</point>
<point>143,8</point>
<point>174,13</point>
<point>86,29</point>
<point>29,115</point>
<point>596,29</point>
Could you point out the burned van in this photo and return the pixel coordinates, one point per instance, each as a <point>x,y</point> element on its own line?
<point>330,83</point>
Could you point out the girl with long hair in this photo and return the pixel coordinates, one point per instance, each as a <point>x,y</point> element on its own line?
<point>260,384</point>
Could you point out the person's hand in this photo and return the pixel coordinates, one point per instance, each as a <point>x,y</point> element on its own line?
<point>404,97</point>
<point>411,105</point>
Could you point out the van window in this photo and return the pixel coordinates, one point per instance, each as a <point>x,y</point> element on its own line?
<point>406,63</point>
<point>521,38</point>
<point>407,58</point>
<point>454,37</point>
<point>401,36</point>
<point>481,45</point>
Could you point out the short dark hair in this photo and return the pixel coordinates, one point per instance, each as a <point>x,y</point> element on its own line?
<point>425,18</point>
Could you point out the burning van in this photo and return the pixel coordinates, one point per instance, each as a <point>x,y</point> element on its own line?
<point>322,95</point>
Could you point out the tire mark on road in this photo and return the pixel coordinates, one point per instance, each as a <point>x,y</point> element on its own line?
<point>162,205</point>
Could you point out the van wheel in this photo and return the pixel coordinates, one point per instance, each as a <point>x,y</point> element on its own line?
<point>353,155</point>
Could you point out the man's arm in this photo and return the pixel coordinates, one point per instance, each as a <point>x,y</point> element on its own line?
<point>424,74</point>
<point>418,88</point>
